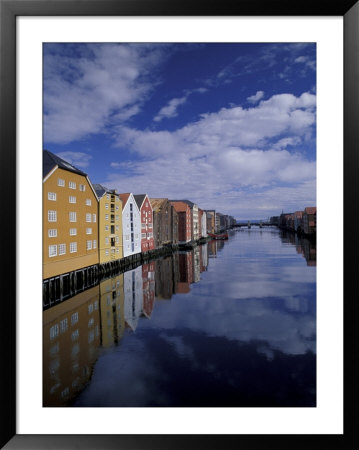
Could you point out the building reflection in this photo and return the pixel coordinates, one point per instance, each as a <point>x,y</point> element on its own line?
<point>71,337</point>
<point>75,330</point>
<point>148,288</point>
<point>133,294</point>
<point>111,292</point>
<point>166,276</point>
<point>304,246</point>
<point>186,272</point>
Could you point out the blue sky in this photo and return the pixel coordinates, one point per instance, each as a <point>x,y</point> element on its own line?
<point>231,127</point>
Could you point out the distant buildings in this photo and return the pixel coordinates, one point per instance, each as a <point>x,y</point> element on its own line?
<point>302,222</point>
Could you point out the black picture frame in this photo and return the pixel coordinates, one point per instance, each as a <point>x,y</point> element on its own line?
<point>9,10</point>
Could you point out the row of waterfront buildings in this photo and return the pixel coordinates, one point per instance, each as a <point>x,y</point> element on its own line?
<point>302,222</point>
<point>86,224</point>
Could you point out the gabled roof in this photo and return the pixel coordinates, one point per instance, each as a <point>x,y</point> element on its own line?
<point>157,203</point>
<point>124,198</point>
<point>189,203</point>
<point>139,199</point>
<point>50,161</point>
<point>102,190</point>
<point>310,210</point>
<point>179,205</point>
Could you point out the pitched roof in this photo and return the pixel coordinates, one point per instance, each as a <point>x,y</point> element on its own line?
<point>179,205</point>
<point>310,210</point>
<point>100,190</point>
<point>157,203</point>
<point>189,203</point>
<point>49,161</point>
<point>139,199</point>
<point>124,198</point>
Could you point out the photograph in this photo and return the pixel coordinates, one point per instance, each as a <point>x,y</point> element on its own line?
<point>167,162</point>
<point>179,224</point>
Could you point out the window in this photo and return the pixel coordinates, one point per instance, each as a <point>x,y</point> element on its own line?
<point>82,187</point>
<point>53,232</point>
<point>88,202</point>
<point>136,236</point>
<point>73,247</point>
<point>54,331</point>
<point>73,231</point>
<point>88,245</point>
<point>127,237</point>
<point>52,216</point>
<point>52,250</point>
<point>74,318</point>
<point>106,216</point>
<point>72,216</point>
<point>106,252</point>
<point>95,244</point>
<point>106,205</point>
<point>117,217</point>
<point>106,241</point>
<point>75,335</point>
<point>93,217</point>
<point>72,185</point>
<point>117,239</point>
<point>60,182</point>
<point>108,196</point>
<point>88,217</point>
<point>72,199</point>
<point>117,250</point>
<point>131,207</point>
<point>88,230</point>
<point>143,235</point>
<point>62,249</point>
<point>51,195</point>
<point>117,227</point>
<point>63,325</point>
<point>117,207</point>
<point>106,227</point>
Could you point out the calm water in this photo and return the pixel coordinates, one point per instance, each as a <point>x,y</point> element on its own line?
<point>231,323</point>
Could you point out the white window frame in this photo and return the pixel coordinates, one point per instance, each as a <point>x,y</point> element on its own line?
<point>72,199</point>
<point>94,245</point>
<point>88,230</point>
<point>61,182</point>
<point>72,216</point>
<point>62,247</point>
<point>52,232</point>
<point>72,185</point>
<point>73,231</point>
<point>88,202</point>
<point>88,217</point>
<point>52,216</point>
<point>93,218</point>
<point>51,196</point>
<point>106,205</point>
<point>88,245</point>
<point>73,247</point>
<point>54,252</point>
<point>82,187</point>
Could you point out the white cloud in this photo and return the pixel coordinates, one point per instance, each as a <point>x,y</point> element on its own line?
<point>255,98</point>
<point>77,159</point>
<point>102,84</point>
<point>229,160</point>
<point>170,110</point>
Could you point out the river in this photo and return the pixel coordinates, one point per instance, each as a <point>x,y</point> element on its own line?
<point>230,323</point>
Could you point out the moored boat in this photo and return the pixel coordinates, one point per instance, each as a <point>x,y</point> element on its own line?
<point>218,236</point>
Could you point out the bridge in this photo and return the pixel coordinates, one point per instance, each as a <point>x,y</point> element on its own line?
<point>259,224</point>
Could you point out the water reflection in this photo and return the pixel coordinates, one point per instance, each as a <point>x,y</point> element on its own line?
<point>240,330</point>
